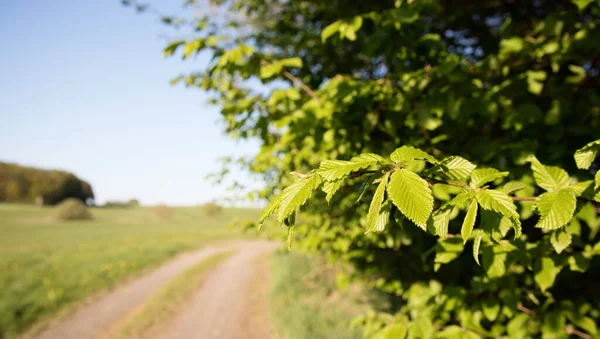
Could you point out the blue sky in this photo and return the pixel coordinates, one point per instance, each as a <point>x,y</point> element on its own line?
<point>84,88</point>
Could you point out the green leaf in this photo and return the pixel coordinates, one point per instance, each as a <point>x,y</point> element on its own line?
<point>500,202</point>
<point>535,81</point>
<point>383,218</point>
<point>393,331</point>
<point>296,195</point>
<point>332,170</point>
<point>546,271</point>
<point>412,195</point>
<point>407,153</point>
<point>586,155</point>
<point>172,47</point>
<point>469,222</point>
<point>269,70</point>
<point>549,178</point>
<point>582,4</point>
<point>330,30</point>
<point>512,186</point>
<point>376,203</point>
<point>440,218</point>
<point>560,240</point>
<point>291,62</point>
<point>597,180</point>
<point>476,246</point>
<point>556,208</point>
<point>456,168</point>
<point>491,309</point>
<point>363,187</point>
<point>580,187</point>
<point>269,210</point>
<point>331,187</point>
<point>193,46</point>
<point>481,176</point>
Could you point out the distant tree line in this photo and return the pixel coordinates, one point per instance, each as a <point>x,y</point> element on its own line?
<point>45,187</point>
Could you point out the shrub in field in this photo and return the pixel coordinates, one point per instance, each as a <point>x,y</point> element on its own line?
<point>211,208</point>
<point>163,211</point>
<point>71,209</point>
<point>446,149</point>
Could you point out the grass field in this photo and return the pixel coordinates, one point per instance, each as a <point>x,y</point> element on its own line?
<point>308,302</point>
<point>47,266</point>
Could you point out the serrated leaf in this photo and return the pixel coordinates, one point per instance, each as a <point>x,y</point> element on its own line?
<point>269,210</point>
<point>583,188</point>
<point>500,202</point>
<point>456,168</point>
<point>383,218</point>
<point>332,170</point>
<point>296,195</point>
<point>586,155</point>
<point>512,186</point>
<point>376,203</point>
<point>440,218</point>
<point>481,176</point>
<point>495,224</point>
<point>412,195</point>
<point>407,153</point>
<point>546,271</point>
<point>556,208</point>
<point>476,245</point>
<point>330,188</point>
<point>549,178</point>
<point>560,240</point>
<point>364,186</point>
<point>469,222</point>
<point>330,30</point>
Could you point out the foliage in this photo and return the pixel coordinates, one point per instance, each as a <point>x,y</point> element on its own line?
<point>474,90</point>
<point>48,266</point>
<point>71,209</point>
<point>27,184</point>
<point>211,208</point>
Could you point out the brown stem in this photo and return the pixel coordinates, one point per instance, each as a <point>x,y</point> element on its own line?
<point>301,84</point>
<point>572,330</point>
<point>522,308</point>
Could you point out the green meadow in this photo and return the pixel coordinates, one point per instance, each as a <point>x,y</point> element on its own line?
<point>47,266</point>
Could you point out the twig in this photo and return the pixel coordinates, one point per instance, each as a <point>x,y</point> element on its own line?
<point>572,330</point>
<point>301,84</point>
<point>522,308</point>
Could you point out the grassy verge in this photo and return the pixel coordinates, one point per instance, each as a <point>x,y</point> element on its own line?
<point>306,302</point>
<point>166,302</point>
<point>47,267</point>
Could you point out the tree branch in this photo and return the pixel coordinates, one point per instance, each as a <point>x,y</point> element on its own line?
<point>301,84</point>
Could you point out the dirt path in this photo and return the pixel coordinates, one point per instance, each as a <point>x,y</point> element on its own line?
<point>215,306</point>
<point>225,306</point>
